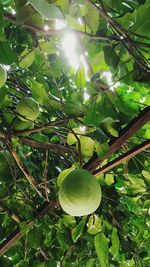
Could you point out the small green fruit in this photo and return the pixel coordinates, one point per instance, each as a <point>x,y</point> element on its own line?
<point>3,76</point>
<point>28,108</point>
<point>19,125</point>
<point>80,193</point>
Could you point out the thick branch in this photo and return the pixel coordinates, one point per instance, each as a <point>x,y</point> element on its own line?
<point>43,32</point>
<point>16,235</point>
<point>131,128</point>
<point>126,156</point>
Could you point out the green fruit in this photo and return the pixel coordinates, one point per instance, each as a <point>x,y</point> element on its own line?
<point>28,108</point>
<point>5,158</point>
<point>3,76</point>
<point>19,125</point>
<point>80,193</point>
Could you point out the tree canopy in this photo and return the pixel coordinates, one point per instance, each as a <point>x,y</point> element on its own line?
<point>74,93</point>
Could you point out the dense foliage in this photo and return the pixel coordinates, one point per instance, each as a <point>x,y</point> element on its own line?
<point>86,64</point>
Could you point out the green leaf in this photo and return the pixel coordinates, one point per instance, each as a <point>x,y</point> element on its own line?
<point>94,224</point>
<point>39,93</point>
<point>115,243</point>
<point>80,79</point>
<point>23,227</point>
<point>90,263</point>
<point>108,125</point>
<point>40,137</point>
<point>3,92</point>
<point>47,11</point>
<point>92,19</point>
<point>68,220</point>
<point>61,239</point>
<point>102,249</point>
<point>34,238</point>
<point>109,179</point>
<point>48,48</point>
<point>71,139</point>
<point>87,146</point>
<point>100,136</point>
<point>23,263</point>
<point>101,149</point>
<point>27,59</point>
<point>77,231</point>
<point>7,55</point>
<point>92,117</point>
<point>51,263</point>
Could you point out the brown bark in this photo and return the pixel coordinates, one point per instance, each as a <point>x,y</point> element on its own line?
<point>17,234</point>
<point>128,131</point>
<point>126,156</point>
<point>57,147</point>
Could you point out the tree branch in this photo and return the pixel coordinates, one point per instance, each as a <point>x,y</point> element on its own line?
<point>57,147</point>
<point>43,32</point>
<point>129,44</point>
<point>17,234</point>
<point>44,126</point>
<point>126,156</point>
<point>30,178</point>
<point>129,130</point>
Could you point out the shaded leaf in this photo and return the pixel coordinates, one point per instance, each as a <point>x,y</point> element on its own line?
<point>47,11</point>
<point>7,54</point>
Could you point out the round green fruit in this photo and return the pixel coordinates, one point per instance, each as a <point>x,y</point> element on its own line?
<point>28,109</point>
<point>19,125</point>
<point>3,76</point>
<point>80,193</point>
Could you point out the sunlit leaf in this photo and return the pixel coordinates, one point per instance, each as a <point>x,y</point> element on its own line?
<point>77,231</point>
<point>48,11</point>
<point>115,243</point>
<point>102,249</point>
<point>94,224</point>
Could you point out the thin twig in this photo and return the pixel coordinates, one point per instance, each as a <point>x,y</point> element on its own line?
<point>17,234</point>
<point>45,176</point>
<point>30,178</point>
<point>57,147</point>
<point>44,126</point>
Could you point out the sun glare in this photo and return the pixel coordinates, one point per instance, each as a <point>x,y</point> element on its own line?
<point>85,67</point>
<point>60,24</point>
<point>108,76</point>
<point>46,27</point>
<point>69,47</point>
